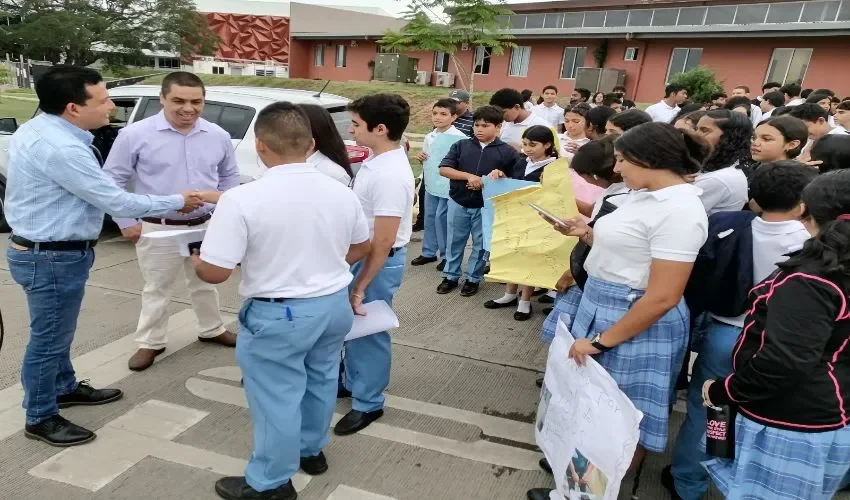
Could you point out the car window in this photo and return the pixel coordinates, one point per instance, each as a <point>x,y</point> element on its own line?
<point>150,107</point>
<point>342,120</point>
<point>234,119</point>
<point>123,110</point>
<point>212,112</point>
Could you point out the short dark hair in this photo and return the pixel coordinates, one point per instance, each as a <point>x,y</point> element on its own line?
<point>446,103</point>
<point>717,95</point>
<point>61,85</point>
<point>579,108</point>
<point>743,87</point>
<point>844,105</point>
<point>673,88</point>
<point>609,99</point>
<point>809,112</point>
<point>489,114</point>
<point>181,79</point>
<point>506,98</point>
<point>781,110</point>
<point>391,110</point>
<point>326,135</point>
<point>739,101</point>
<point>792,129</point>
<point>791,89</point>
<point>833,150</point>
<point>661,146</point>
<point>629,119</point>
<point>775,98</point>
<point>596,158</point>
<point>778,186</point>
<point>686,110</point>
<point>550,87</point>
<point>805,93</point>
<point>526,94</point>
<point>814,97</point>
<point>284,128</point>
<point>829,92</point>
<point>771,85</point>
<point>543,135</point>
<point>598,117</point>
<point>619,88</point>
<point>584,93</point>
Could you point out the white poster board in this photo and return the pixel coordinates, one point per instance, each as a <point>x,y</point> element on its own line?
<point>587,428</point>
<point>180,237</point>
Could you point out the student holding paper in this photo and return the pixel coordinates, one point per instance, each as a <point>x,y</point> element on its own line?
<point>296,312</point>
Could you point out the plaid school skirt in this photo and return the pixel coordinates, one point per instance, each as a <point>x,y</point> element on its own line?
<point>645,367</point>
<point>781,464</point>
<point>565,303</point>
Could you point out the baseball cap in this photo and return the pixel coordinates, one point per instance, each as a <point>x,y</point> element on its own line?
<point>459,95</point>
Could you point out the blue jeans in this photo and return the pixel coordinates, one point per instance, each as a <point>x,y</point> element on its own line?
<point>54,283</point>
<point>464,222</point>
<point>713,362</point>
<point>434,243</point>
<point>289,354</point>
<point>368,360</point>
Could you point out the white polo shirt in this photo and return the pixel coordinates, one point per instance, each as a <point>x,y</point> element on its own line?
<point>512,132</point>
<point>553,114</point>
<point>385,187</point>
<point>290,229</point>
<point>723,190</point>
<point>328,167</point>
<point>662,112</point>
<point>667,224</point>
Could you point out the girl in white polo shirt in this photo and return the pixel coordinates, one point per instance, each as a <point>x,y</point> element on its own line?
<point>723,180</point>
<point>632,317</point>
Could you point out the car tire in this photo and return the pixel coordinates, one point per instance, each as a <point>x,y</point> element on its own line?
<point>4,226</point>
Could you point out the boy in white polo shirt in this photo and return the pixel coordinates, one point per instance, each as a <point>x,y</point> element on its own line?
<point>296,312</point>
<point>385,187</point>
<point>667,108</point>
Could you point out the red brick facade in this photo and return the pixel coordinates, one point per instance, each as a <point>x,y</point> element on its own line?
<point>254,38</point>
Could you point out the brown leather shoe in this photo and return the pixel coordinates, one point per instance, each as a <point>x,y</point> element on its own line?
<point>143,359</point>
<point>227,339</point>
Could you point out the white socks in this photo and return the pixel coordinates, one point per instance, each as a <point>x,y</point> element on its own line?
<point>552,293</point>
<point>508,297</point>
<point>524,306</point>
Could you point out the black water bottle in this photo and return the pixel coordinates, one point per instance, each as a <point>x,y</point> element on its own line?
<point>720,431</point>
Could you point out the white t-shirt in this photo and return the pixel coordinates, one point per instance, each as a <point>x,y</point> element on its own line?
<point>724,190</point>
<point>512,132</point>
<point>772,241</point>
<point>755,114</point>
<point>618,189</point>
<point>429,137</point>
<point>328,167</point>
<point>528,105</point>
<point>291,230</point>
<point>661,112</point>
<point>667,224</point>
<point>795,102</point>
<point>553,114</point>
<point>385,187</point>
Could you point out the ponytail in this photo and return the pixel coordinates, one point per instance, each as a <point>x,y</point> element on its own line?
<point>659,145</point>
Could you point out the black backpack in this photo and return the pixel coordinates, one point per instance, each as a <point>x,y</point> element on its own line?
<point>723,272</point>
<point>582,250</point>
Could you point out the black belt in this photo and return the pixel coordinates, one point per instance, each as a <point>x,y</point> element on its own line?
<point>394,250</point>
<point>270,299</point>
<point>57,246</point>
<point>179,222</point>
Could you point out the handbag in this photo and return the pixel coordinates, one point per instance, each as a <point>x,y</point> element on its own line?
<point>582,249</point>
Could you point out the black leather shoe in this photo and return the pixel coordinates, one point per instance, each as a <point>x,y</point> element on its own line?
<point>492,304</point>
<point>669,483</point>
<point>469,289</point>
<point>539,382</point>
<point>522,316</point>
<point>422,260</point>
<point>355,421</point>
<point>441,265</point>
<point>86,395</point>
<point>538,291</point>
<point>545,299</point>
<point>342,393</point>
<point>314,465</point>
<point>419,226</point>
<point>538,493</point>
<point>547,310</point>
<point>235,488</point>
<point>544,464</point>
<point>446,286</point>
<point>56,431</point>
<point>487,269</point>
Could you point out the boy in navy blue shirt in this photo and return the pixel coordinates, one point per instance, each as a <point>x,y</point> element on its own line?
<point>467,162</point>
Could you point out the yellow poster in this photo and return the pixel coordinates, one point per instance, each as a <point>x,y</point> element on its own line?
<point>525,249</point>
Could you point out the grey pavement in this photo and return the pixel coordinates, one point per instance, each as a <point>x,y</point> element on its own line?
<point>457,426</point>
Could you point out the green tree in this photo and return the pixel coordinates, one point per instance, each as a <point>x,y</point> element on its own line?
<point>470,22</point>
<point>73,31</point>
<point>701,82</point>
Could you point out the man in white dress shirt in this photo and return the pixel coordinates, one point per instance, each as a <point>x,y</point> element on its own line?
<point>549,109</point>
<point>295,231</point>
<point>792,93</point>
<point>517,119</point>
<point>667,109</point>
<point>755,111</point>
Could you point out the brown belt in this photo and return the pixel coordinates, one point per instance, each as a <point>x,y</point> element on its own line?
<point>179,222</point>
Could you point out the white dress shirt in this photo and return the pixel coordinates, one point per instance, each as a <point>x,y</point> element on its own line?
<point>553,114</point>
<point>723,190</point>
<point>291,230</point>
<point>512,132</point>
<point>385,187</point>
<point>662,112</point>
<point>328,167</point>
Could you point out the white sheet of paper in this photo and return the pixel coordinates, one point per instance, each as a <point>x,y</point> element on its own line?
<point>379,317</point>
<point>181,237</point>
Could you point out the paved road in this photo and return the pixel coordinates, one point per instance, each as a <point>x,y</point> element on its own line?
<point>458,424</point>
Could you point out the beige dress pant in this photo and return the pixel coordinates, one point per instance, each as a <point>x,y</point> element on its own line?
<point>160,261</point>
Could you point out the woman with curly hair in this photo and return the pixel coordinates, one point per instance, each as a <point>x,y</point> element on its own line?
<point>723,179</point>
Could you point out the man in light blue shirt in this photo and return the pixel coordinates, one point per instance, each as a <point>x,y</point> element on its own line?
<point>56,197</point>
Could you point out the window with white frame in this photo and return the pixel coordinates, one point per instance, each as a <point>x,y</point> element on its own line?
<point>788,65</point>
<point>340,56</point>
<point>631,54</point>
<point>573,60</point>
<point>441,62</point>
<point>520,57</point>
<point>319,55</point>
<point>482,60</point>
<point>683,60</point>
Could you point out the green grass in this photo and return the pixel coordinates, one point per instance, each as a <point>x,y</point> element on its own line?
<point>22,110</point>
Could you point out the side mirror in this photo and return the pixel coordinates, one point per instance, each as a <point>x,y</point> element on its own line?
<point>8,125</point>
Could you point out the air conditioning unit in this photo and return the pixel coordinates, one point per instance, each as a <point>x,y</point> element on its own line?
<point>445,79</point>
<point>423,78</point>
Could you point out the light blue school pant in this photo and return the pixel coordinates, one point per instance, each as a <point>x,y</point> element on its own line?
<point>368,360</point>
<point>436,226</point>
<point>289,356</point>
<point>713,362</point>
<point>463,223</point>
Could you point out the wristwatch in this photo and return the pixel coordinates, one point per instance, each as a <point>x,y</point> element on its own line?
<point>596,342</point>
